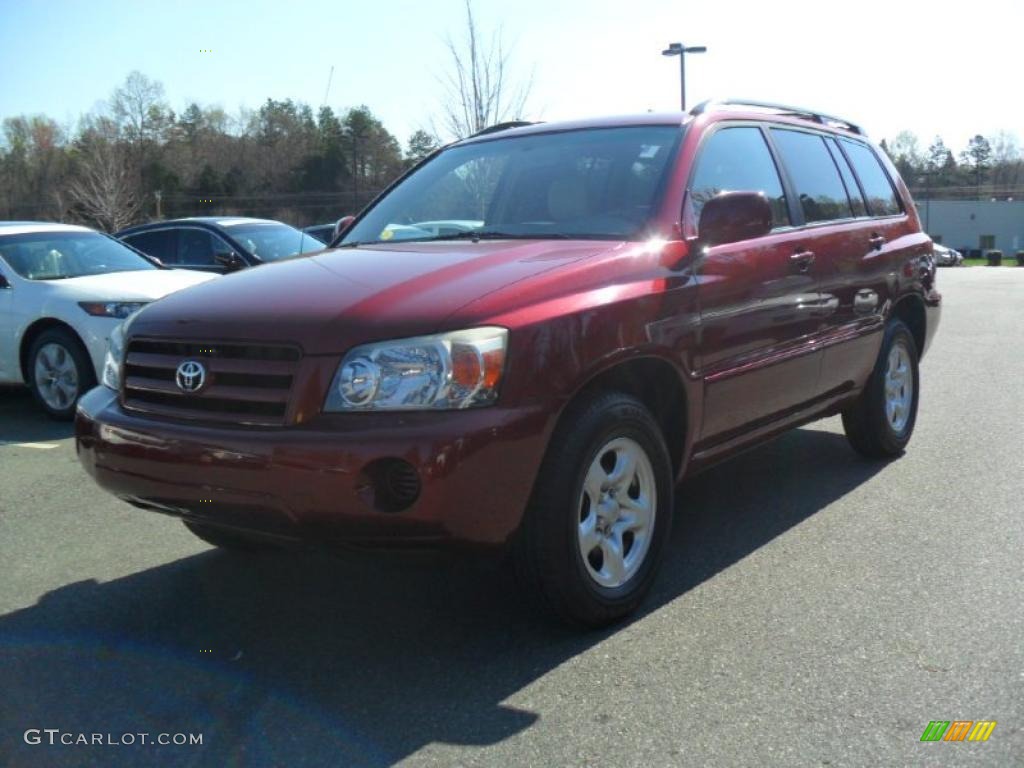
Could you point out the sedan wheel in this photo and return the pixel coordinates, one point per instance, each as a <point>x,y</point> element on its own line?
<point>56,376</point>
<point>59,371</point>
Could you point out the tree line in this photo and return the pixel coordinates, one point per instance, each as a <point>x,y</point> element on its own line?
<point>988,167</point>
<point>135,158</point>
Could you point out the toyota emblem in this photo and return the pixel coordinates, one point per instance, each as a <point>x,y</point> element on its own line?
<point>190,376</point>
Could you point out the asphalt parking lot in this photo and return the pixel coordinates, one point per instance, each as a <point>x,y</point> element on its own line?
<point>814,609</point>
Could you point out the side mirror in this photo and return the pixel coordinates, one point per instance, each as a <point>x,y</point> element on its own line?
<point>229,259</point>
<point>3,282</point>
<point>734,216</point>
<point>340,228</point>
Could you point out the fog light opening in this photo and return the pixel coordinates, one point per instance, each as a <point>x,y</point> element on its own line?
<point>389,485</point>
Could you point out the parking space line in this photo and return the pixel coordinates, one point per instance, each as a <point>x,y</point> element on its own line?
<point>37,446</point>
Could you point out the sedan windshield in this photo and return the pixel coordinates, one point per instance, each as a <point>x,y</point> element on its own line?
<point>61,255</point>
<point>595,183</point>
<point>273,241</point>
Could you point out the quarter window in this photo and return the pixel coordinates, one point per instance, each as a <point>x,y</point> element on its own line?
<point>738,160</point>
<point>814,175</point>
<point>878,188</point>
<point>849,180</point>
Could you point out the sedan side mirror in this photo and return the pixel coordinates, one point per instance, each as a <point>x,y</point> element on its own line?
<point>734,216</point>
<point>342,226</point>
<point>229,260</point>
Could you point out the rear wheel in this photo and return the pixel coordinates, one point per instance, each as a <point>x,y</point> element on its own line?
<point>880,423</point>
<point>59,372</point>
<point>595,531</point>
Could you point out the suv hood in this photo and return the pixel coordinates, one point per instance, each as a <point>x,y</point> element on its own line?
<point>332,300</point>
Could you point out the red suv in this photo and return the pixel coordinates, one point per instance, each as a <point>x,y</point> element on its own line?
<point>528,340</point>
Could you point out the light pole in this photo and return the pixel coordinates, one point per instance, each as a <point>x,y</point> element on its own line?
<point>678,49</point>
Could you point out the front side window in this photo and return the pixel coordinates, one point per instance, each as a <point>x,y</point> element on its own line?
<point>63,255</point>
<point>878,189</point>
<point>738,160</point>
<point>596,183</point>
<point>814,175</point>
<point>197,247</point>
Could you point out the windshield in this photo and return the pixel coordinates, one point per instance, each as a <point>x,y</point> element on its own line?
<point>270,242</point>
<point>60,255</point>
<point>597,183</point>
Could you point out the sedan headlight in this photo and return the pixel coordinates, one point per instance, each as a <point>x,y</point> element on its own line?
<point>114,359</point>
<point>120,309</point>
<point>447,371</point>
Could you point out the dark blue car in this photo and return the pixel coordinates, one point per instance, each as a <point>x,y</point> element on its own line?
<point>218,243</point>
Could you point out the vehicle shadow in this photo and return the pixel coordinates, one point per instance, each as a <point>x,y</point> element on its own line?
<point>297,659</point>
<point>23,421</point>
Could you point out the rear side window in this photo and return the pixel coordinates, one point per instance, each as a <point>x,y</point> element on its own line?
<point>738,160</point>
<point>163,244</point>
<point>814,175</point>
<point>849,180</point>
<point>877,187</point>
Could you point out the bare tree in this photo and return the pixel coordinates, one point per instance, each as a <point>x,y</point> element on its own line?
<point>102,190</point>
<point>477,89</point>
<point>138,107</point>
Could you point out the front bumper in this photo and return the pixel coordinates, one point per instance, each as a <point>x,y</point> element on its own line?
<point>309,483</point>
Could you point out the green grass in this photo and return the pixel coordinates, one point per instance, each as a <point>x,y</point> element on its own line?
<point>1007,262</point>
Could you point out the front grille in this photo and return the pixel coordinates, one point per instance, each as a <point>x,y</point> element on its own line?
<point>245,383</point>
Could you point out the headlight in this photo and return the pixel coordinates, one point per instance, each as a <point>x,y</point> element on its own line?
<point>114,359</point>
<point>450,370</point>
<point>119,309</point>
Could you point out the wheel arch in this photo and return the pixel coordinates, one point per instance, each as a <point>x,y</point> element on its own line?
<point>911,310</point>
<point>31,333</point>
<point>660,386</point>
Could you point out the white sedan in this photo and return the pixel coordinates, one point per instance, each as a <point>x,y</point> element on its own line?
<point>63,289</point>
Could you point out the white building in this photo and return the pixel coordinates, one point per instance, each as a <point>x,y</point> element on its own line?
<point>975,224</point>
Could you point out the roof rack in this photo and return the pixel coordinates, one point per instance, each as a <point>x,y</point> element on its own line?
<point>809,114</point>
<point>500,127</point>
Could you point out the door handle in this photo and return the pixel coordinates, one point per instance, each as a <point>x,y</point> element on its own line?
<point>802,260</point>
<point>877,241</point>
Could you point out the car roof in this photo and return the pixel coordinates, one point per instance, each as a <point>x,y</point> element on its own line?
<point>213,222</point>
<point>733,108</point>
<point>23,227</point>
<point>610,121</point>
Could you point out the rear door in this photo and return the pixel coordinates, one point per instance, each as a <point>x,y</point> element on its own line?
<point>866,272</point>
<point>834,218</point>
<point>758,298</point>
<point>158,243</point>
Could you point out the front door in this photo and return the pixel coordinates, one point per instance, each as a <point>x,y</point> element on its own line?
<point>759,299</point>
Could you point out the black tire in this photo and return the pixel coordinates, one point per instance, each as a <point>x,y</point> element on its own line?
<point>547,550</point>
<point>85,376</point>
<point>225,539</point>
<point>867,424</point>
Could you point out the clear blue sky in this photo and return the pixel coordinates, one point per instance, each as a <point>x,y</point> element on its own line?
<point>891,65</point>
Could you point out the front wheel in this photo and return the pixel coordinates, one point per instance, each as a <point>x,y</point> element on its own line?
<point>595,531</point>
<point>59,372</point>
<point>880,423</point>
